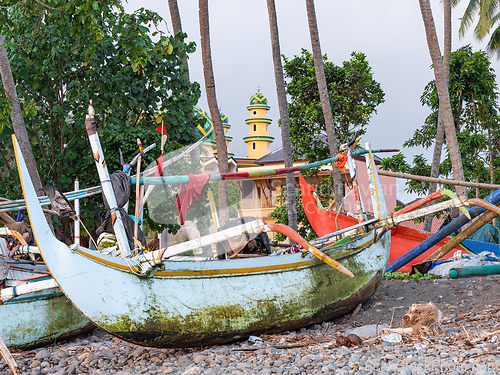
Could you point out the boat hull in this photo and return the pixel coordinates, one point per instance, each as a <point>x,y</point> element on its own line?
<point>40,318</point>
<point>214,302</point>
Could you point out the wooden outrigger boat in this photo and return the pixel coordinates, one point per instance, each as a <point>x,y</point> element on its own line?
<point>153,301</point>
<point>403,238</point>
<point>34,311</point>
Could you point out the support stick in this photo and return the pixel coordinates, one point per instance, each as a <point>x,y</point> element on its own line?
<point>138,193</point>
<point>8,357</point>
<point>77,210</point>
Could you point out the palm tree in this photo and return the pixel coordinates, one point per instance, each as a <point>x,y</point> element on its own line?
<point>443,95</point>
<point>325,100</point>
<point>488,15</point>
<point>175,16</point>
<point>220,140</point>
<point>283,108</point>
<point>438,144</point>
<point>18,122</point>
<point>17,117</point>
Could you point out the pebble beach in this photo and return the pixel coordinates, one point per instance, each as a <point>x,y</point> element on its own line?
<point>467,342</point>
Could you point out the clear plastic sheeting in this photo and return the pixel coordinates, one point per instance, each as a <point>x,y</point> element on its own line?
<point>192,203</point>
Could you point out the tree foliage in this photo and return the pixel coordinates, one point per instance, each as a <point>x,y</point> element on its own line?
<point>70,53</point>
<point>354,97</point>
<point>474,100</point>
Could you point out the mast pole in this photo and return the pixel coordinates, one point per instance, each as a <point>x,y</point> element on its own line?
<point>107,187</point>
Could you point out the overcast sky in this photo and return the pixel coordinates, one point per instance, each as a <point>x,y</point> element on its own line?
<point>389,32</point>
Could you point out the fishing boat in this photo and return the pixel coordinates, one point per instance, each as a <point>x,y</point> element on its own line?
<point>161,300</point>
<point>403,238</point>
<point>34,311</point>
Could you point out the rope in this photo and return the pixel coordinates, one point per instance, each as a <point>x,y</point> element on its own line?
<point>85,228</point>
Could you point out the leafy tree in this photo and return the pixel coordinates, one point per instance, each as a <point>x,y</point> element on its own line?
<point>354,96</point>
<point>474,101</point>
<point>74,53</point>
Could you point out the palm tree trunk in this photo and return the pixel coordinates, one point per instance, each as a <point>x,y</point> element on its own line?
<point>214,109</point>
<point>285,120</point>
<point>438,144</point>
<point>325,101</point>
<point>444,98</point>
<point>18,121</point>
<point>175,16</point>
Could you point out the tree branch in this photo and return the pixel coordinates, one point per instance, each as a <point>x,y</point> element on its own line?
<point>48,7</point>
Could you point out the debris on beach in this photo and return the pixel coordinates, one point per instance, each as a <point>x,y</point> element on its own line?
<point>423,317</point>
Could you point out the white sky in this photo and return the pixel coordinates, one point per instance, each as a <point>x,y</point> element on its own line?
<point>389,32</point>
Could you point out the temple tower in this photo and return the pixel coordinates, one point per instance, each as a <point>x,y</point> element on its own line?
<point>258,140</point>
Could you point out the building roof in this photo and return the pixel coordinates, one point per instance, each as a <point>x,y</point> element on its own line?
<point>258,99</point>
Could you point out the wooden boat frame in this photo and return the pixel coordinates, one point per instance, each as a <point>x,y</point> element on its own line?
<point>189,303</point>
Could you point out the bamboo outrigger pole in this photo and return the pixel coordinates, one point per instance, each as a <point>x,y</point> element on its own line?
<point>438,180</point>
<point>251,174</point>
<point>107,187</point>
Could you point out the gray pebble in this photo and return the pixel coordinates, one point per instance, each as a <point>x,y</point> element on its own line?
<point>42,354</point>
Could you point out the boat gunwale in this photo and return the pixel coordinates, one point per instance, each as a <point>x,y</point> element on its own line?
<point>186,268</point>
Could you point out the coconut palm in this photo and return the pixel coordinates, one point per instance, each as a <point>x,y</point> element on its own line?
<point>16,115</point>
<point>325,100</point>
<point>444,97</point>
<point>438,144</point>
<point>488,15</point>
<point>283,108</point>
<point>175,16</point>
<point>220,140</point>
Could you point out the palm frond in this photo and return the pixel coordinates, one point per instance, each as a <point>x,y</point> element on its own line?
<point>489,8</point>
<point>468,18</point>
<point>493,46</point>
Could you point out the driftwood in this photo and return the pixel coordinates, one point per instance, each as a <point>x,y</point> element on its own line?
<point>438,180</point>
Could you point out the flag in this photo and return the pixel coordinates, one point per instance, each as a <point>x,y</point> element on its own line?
<point>162,129</point>
<point>159,169</point>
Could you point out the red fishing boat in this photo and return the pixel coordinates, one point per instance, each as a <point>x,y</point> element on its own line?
<point>403,238</point>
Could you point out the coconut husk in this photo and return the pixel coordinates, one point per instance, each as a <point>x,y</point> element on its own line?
<point>422,317</point>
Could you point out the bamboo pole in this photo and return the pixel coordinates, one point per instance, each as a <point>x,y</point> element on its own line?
<point>463,235</point>
<point>77,210</point>
<point>251,174</point>
<point>438,180</point>
<point>12,292</point>
<point>8,357</point>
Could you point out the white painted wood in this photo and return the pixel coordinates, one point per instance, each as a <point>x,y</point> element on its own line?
<point>107,190</point>
<point>7,294</point>
<point>77,210</point>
